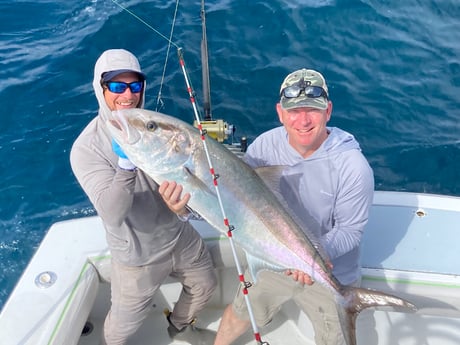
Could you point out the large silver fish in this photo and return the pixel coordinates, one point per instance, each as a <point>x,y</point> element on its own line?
<point>168,149</point>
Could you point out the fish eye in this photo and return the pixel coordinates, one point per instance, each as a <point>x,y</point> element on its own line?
<point>151,126</point>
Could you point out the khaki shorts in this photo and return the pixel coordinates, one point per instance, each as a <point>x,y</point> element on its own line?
<point>272,289</point>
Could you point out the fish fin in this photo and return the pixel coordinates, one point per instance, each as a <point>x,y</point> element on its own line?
<point>290,200</point>
<point>357,299</point>
<point>196,181</point>
<point>256,265</point>
<point>271,176</point>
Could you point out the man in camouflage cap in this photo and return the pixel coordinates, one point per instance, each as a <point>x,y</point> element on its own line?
<point>308,81</point>
<point>328,185</point>
<point>304,110</point>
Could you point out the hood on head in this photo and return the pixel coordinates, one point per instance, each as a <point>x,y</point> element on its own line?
<point>109,61</point>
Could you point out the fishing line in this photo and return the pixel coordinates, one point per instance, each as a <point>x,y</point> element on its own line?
<point>160,102</point>
<point>147,24</point>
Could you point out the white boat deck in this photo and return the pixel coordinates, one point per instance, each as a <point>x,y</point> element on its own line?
<point>153,330</point>
<point>290,326</point>
<point>409,249</point>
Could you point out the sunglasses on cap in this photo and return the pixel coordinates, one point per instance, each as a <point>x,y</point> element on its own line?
<point>120,86</point>
<point>310,91</point>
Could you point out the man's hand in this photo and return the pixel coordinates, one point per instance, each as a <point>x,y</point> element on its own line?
<point>171,192</point>
<point>300,277</point>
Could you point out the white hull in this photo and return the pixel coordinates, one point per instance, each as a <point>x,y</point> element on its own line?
<point>409,250</point>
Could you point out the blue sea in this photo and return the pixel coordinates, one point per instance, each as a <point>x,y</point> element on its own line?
<point>393,69</point>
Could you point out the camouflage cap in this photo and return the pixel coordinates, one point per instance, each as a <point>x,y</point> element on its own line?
<point>312,78</point>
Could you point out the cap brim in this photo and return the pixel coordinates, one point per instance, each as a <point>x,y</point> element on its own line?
<point>107,76</point>
<point>304,102</point>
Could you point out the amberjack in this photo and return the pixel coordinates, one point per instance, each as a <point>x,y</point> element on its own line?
<point>168,149</point>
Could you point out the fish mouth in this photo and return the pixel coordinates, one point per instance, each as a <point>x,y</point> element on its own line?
<point>120,128</point>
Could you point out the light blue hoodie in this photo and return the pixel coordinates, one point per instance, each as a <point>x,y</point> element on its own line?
<point>330,191</point>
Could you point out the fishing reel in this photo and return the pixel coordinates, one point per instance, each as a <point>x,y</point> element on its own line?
<point>216,129</point>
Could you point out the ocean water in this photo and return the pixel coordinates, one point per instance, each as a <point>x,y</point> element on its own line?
<point>393,69</point>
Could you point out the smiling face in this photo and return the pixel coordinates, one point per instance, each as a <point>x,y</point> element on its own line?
<point>306,127</point>
<point>127,99</point>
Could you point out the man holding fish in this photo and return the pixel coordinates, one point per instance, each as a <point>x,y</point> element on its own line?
<point>329,186</point>
<point>147,241</point>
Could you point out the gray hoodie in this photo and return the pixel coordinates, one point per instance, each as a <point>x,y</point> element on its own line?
<point>330,191</point>
<point>139,226</point>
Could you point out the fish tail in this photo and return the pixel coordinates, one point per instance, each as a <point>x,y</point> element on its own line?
<point>357,299</point>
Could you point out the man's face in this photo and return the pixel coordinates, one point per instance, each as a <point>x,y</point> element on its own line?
<point>306,127</point>
<point>126,99</point>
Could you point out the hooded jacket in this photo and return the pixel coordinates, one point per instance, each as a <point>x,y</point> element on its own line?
<point>330,192</point>
<point>140,228</point>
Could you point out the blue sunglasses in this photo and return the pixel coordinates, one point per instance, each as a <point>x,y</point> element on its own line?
<point>120,87</point>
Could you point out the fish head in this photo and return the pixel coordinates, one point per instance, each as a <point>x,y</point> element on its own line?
<point>154,142</point>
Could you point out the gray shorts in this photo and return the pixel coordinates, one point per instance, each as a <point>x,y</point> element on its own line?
<point>272,289</point>
<point>133,288</point>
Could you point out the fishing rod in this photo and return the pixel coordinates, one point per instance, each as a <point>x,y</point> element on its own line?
<point>245,284</point>
<point>207,127</point>
<point>205,67</point>
<point>214,175</point>
<point>217,129</point>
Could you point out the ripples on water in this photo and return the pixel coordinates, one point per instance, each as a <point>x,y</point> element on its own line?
<point>393,70</point>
